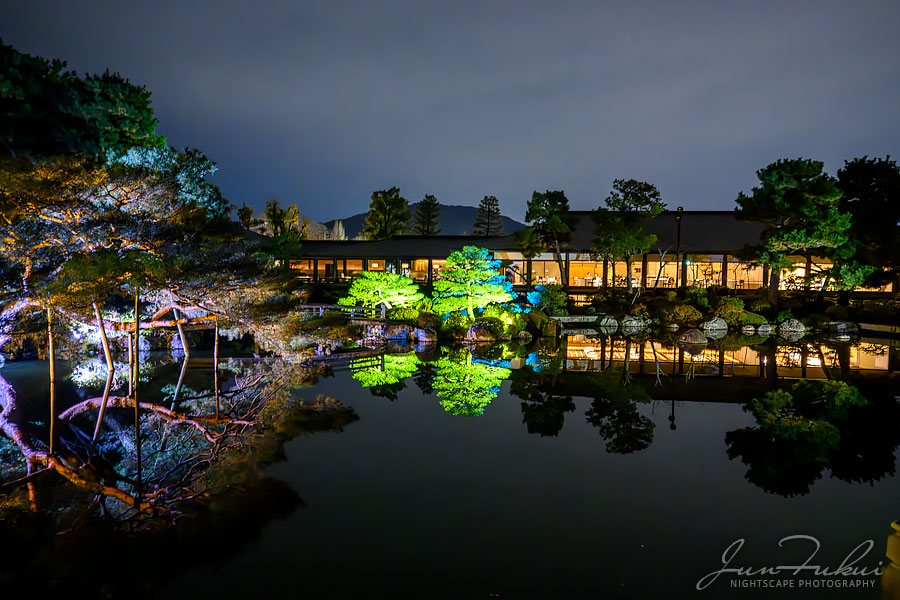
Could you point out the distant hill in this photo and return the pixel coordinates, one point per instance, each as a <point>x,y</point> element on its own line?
<point>454,220</point>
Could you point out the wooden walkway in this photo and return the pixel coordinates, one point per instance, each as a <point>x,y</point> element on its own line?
<point>363,312</point>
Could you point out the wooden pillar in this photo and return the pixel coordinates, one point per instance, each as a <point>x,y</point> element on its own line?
<point>683,278</point>
<point>807,273</point>
<point>528,278</point>
<point>430,272</point>
<point>51,356</point>
<point>334,276</point>
<point>724,270</point>
<point>568,273</point>
<point>605,273</point>
<point>643,280</point>
<point>315,265</point>
<point>365,264</point>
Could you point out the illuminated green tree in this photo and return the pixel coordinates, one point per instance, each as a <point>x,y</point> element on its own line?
<point>466,387</point>
<point>470,280</point>
<point>376,288</point>
<point>388,215</point>
<point>619,232</point>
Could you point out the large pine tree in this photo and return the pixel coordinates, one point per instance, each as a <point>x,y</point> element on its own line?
<point>428,213</point>
<point>488,221</point>
<point>388,215</point>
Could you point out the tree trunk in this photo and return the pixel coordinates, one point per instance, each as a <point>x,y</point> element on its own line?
<point>628,274</point>
<point>821,295</point>
<point>774,280</point>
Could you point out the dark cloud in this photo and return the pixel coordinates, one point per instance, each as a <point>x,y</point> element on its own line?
<point>323,102</point>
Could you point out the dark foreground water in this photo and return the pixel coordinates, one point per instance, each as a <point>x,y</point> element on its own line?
<point>597,498</point>
<point>413,501</point>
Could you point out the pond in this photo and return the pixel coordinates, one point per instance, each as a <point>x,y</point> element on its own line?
<point>511,474</point>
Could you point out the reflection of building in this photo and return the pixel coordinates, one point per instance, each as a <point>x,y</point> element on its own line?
<point>709,244</point>
<point>808,360</point>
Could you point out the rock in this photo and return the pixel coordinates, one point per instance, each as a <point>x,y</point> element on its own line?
<point>693,336</point>
<point>398,331</point>
<point>764,330</point>
<point>694,349</point>
<point>523,337</point>
<point>715,324</point>
<point>632,325</point>
<point>748,329</point>
<point>425,335</point>
<point>608,326</point>
<point>791,326</point>
<point>478,333</point>
<point>843,327</point>
<point>673,326</point>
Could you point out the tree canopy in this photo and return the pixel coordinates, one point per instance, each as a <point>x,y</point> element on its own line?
<point>375,288</point>
<point>470,280</point>
<point>799,205</point>
<point>619,226</point>
<point>388,215</point>
<point>488,221</point>
<point>549,227</point>
<point>428,213</point>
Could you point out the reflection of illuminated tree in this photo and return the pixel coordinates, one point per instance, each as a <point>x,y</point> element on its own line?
<point>813,426</point>
<point>614,413</point>
<point>542,412</point>
<point>424,377</point>
<point>388,380</point>
<point>466,387</point>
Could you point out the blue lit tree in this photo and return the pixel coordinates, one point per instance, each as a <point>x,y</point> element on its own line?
<point>467,387</point>
<point>470,281</point>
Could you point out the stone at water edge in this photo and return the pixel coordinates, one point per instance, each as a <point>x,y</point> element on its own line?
<point>398,331</point>
<point>791,325</point>
<point>478,332</point>
<point>764,330</point>
<point>693,336</point>
<point>715,324</point>
<point>425,334</point>
<point>748,329</point>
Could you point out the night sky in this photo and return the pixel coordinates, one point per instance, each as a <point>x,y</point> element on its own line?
<point>320,103</point>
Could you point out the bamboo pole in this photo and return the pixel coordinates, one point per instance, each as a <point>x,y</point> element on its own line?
<point>111,370</point>
<point>179,323</point>
<point>130,364</point>
<point>51,356</point>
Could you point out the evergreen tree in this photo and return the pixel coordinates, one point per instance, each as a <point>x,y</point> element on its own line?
<point>375,288</point>
<point>246,218</point>
<point>388,215</point>
<point>470,280</point>
<point>619,232</point>
<point>549,227</point>
<point>800,207</point>
<point>428,213</point>
<point>488,221</point>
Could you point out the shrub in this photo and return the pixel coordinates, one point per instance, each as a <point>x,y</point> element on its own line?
<point>456,322</point>
<point>697,296</point>
<point>736,316</point>
<point>732,301</point>
<point>784,316</point>
<point>495,326</point>
<point>684,313</point>
<point>751,318</point>
<point>551,299</point>
<point>407,314</point>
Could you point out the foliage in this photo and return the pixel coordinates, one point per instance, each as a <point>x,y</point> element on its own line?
<point>684,313</point>
<point>338,233</point>
<point>49,111</point>
<point>799,205</point>
<point>550,227</point>
<point>495,326</point>
<point>466,387</point>
<point>456,323</point>
<point>246,218</point>
<point>407,314</point>
<point>550,299</point>
<point>388,215</point>
<point>619,227</point>
<point>736,316</point>
<point>427,217</point>
<point>397,367</point>
<point>614,413</point>
<point>697,296</point>
<point>732,301</point>
<point>871,194</point>
<point>374,288</point>
<point>470,281</point>
<point>488,221</point>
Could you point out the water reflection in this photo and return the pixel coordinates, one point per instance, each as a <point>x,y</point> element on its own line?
<point>465,386</point>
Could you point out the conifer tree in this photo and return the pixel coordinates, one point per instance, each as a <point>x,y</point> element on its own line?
<point>388,215</point>
<point>488,221</point>
<point>428,213</point>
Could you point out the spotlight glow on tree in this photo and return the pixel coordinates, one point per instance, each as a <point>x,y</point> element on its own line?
<point>397,367</point>
<point>470,280</point>
<point>375,288</point>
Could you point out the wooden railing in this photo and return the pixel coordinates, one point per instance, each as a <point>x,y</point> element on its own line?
<point>366,312</point>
